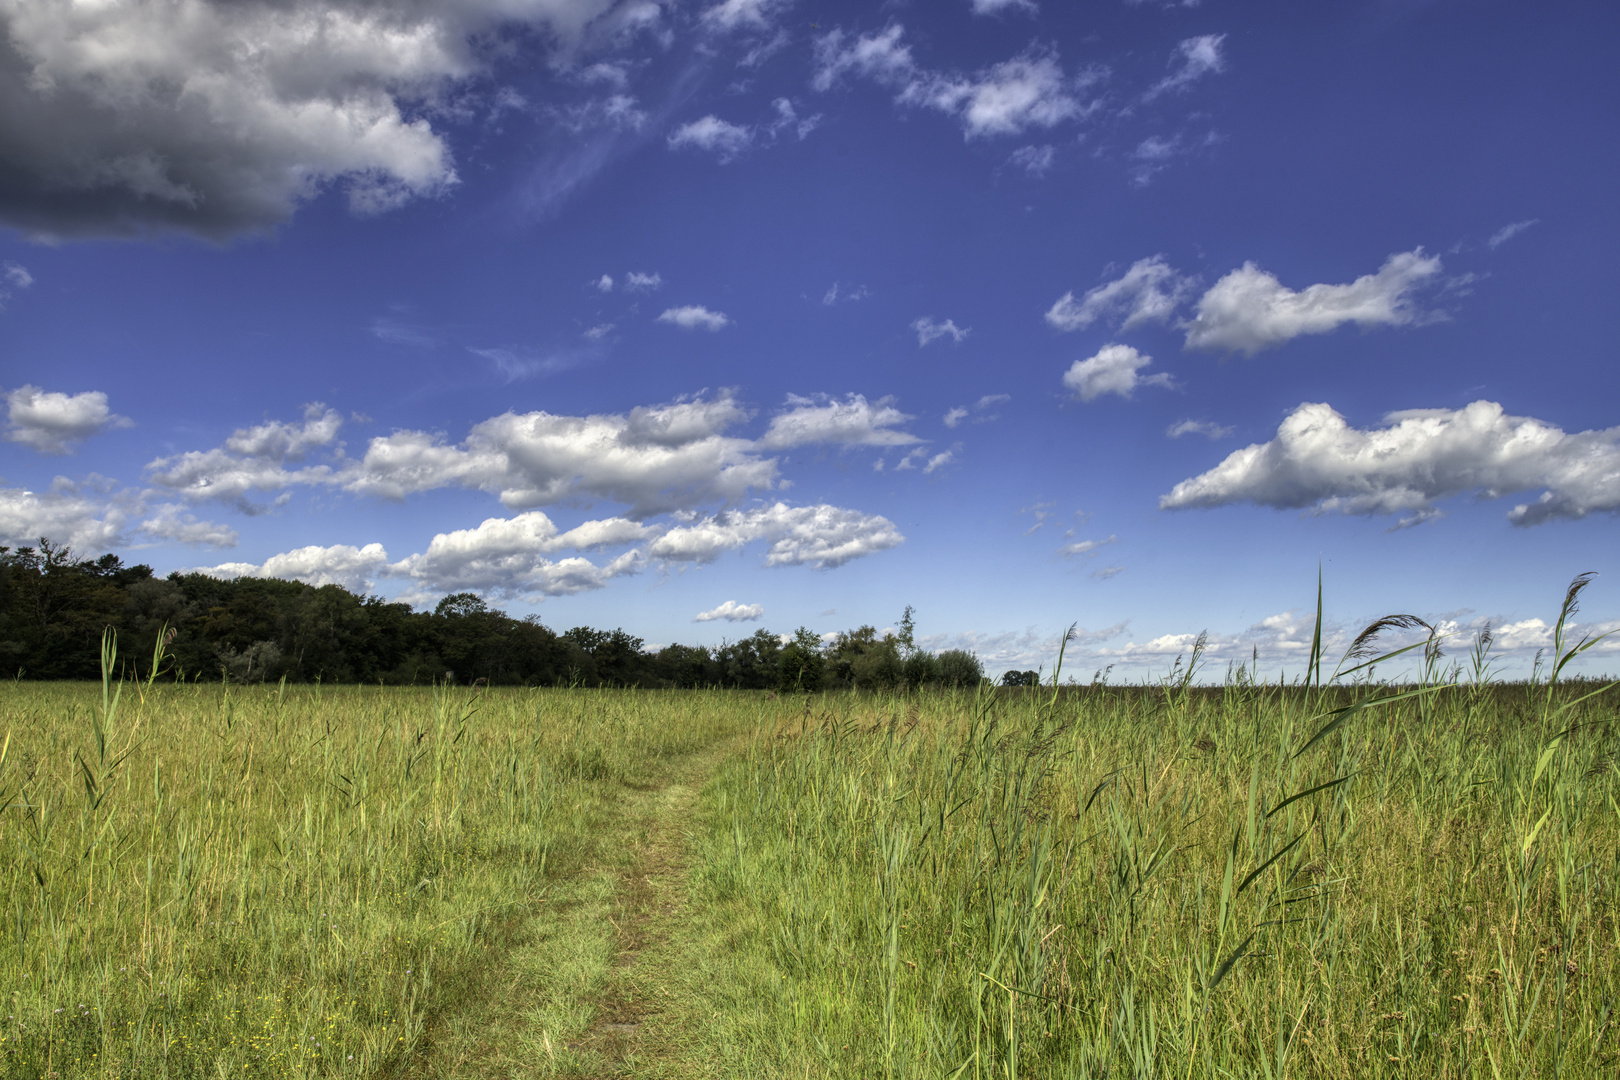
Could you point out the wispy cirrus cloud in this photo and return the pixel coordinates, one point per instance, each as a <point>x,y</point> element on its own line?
<point>930,330</point>
<point>1028,91</point>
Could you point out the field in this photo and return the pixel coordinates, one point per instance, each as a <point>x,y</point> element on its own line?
<point>1337,878</point>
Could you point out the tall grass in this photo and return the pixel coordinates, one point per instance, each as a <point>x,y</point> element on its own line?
<point>1334,878</point>
<point>212,881</point>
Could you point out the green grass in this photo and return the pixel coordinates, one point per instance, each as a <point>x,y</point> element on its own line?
<point>1138,883</point>
<point>201,882</point>
<point>1329,879</point>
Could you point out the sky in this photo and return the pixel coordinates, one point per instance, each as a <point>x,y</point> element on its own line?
<point>695,318</point>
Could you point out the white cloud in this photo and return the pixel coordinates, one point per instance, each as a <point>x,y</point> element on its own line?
<point>220,118</point>
<point>1113,370</point>
<point>1318,461</point>
<point>998,7</point>
<point>764,50</point>
<point>655,459</point>
<point>598,332</point>
<point>988,400</point>
<point>1207,428</point>
<point>788,118</point>
<point>63,516</point>
<point>639,282</point>
<point>712,133</point>
<point>821,536</point>
<point>839,295</point>
<point>54,423</point>
<point>18,277</point>
<point>911,459</point>
<point>1249,309</point>
<point>731,611</point>
<point>928,330</point>
<point>955,416</point>
<point>171,522</point>
<point>1013,96</point>
<point>695,317</point>
<point>617,112</point>
<point>1082,548</point>
<point>940,460</point>
<point>1150,291</point>
<point>1508,232</point>
<point>1034,160</point>
<point>1028,91</point>
<point>851,422</point>
<point>252,459</point>
<point>749,14</point>
<point>1107,572</point>
<point>616,73</point>
<point>604,283</point>
<point>511,557</point>
<point>1195,57</point>
<point>353,568</point>
<point>395,332</point>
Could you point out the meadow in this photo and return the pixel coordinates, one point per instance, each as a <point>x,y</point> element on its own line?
<point>1338,876</point>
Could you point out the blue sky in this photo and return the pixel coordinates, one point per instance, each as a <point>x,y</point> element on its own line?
<point>694,318</point>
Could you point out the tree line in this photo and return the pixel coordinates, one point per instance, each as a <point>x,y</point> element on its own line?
<point>55,605</point>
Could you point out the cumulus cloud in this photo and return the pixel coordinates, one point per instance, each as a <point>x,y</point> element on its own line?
<point>170,521</point>
<point>1034,160</point>
<point>695,317</point>
<point>1150,291</point>
<point>713,134</point>
<point>954,416</point>
<point>1249,309</point>
<point>731,611</point>
<point>1508,232</point>
<point>1113,370</point>
<point>1317,461</point>
<point>941,459</point>
<point>1193,59</point>
<point>851,422</point>
<point>353,568</point>
<point>636,281</point>
<point>604,283</point>
<point>64,516</point>
<point>654,459</point>
<point>55,423</point>
<point>220,118</point>
<point>253,459</point>
<point>1028,91</point>
<point>1207,428</point>
<point>512,557</point>
<point>929,330</point>
<point>821,536</point>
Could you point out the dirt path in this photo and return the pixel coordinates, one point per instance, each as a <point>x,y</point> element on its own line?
<point>590,986</point>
